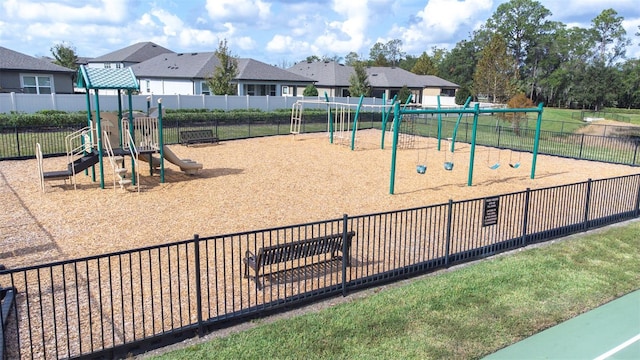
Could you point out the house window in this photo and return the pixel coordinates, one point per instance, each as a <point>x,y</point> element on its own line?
<point>148,82</point>
<point>118,66</point>
<point>272,90</point>
<point>251,90</point>
<point>34,84</point>
<point>204,88</point>
<point>285,90</point>
<point>107,65</point>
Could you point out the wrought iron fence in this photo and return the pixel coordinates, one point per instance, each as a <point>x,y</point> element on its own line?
<point>126,302</point>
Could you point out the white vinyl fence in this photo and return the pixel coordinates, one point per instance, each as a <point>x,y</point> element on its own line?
<point>30,103</point>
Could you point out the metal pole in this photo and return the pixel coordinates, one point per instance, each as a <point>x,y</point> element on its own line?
<point>355,123</point>
<point>99,139</point>
<point>536,142</point>
<point>161,140</point>
<point>394,149</point>
<point>474,132</point>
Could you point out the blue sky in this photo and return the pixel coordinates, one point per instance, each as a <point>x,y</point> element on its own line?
<point>276,32</point>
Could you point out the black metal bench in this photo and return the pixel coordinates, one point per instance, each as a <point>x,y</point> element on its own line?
<point>188,137</point>
<point>270,255</point>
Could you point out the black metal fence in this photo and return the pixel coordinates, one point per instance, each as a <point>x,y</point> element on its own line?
<point>19,142</point>
<point>130,301</point>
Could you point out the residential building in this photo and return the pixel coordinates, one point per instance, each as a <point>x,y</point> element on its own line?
<point>22,73</point>
<point>127,56</point>
<point>186,74</point>
<point>334,79</point>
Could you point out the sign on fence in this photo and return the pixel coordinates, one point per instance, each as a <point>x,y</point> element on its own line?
<point>490,213</point>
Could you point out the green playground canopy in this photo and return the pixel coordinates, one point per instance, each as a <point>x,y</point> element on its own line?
<point>100,78</point>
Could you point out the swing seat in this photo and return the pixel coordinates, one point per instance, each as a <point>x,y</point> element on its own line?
<point>421,169</point>
<point>494,166</point>
<point>448,166</point>
<point>515,166</point>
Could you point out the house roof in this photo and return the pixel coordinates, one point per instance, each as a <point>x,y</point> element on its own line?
<point>13,60</point>
<point>135,53</point>
<point>202,64</point>
<point>330,73</point>
<point>99,78</point>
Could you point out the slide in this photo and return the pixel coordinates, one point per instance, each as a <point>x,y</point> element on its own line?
<point>186,165</point>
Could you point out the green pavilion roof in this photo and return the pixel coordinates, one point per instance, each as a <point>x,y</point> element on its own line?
<point>100,78</point>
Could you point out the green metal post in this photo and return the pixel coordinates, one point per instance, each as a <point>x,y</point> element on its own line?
<point>161,141</point>
<point>120,118</point>
<point>329,119</point>
<point>148,105</point>
<point>132,133</point>
<point>473,143</point>
<point>536,142</point>
<point>384,120</point>
<point>394,149</point>
<point>355,123</point>
<point>455,130</point>
<point>385,117</point>
<point>439,122</point>
<point>88,99</point>
<point>99,139</point>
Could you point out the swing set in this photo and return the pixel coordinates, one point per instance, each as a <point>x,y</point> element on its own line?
<point>449,162</point>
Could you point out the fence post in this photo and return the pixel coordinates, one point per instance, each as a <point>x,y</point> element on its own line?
<point>448,240</point>
<point>581,146</point>
<point>196,243</point>
<point>17,140</point>
<point>635,154</point>
<point>525,220</point>
<point>638,201</point>
<point>346,252</point>
<point>586,206</point>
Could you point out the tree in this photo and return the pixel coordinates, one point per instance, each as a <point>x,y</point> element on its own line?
<point>65,55</point>
<point>394,51</point>
<point>495,73</point>
<point>610,36</point>
<point>378,55</point>
<point>519,101</point>
<point>221,82</point>
<point>459,64</point>
<point>310,90</point>
<point>359,81</point>
<point>312,58</point>
<point>404,94</point>
<point>424,66</point>
<point>351,58</point>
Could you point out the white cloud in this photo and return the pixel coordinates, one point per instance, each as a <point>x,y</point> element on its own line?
<point>238,10</point>
<point>102,11</point>
<point>439,21</point>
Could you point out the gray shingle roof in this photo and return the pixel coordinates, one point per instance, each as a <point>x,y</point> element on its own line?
<point>13,60</point>
<point>135,53</point>
<point>201,65</point>
<point>333,74</point>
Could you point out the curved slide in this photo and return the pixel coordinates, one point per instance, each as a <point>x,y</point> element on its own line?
<point>186,165</point>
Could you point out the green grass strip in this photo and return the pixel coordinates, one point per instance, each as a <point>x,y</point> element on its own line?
<point>463,314</point>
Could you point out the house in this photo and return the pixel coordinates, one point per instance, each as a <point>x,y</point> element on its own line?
<point>128,56</point>
<point>333,78</point>
<point>186,74</point>
<point>26,74</point>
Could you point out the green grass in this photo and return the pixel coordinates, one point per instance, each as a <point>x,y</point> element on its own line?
<point>463,314</point>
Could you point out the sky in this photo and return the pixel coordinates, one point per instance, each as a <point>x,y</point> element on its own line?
<point>277,32</point>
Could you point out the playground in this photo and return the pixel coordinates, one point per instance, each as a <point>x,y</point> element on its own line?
<point>251,184</point>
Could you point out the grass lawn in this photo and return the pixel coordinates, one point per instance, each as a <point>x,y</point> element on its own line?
<point>463,314</point>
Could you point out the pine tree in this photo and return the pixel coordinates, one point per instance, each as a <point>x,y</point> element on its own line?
<point>221,83</point>
<point>359,81</point>
<point>495,74</point>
